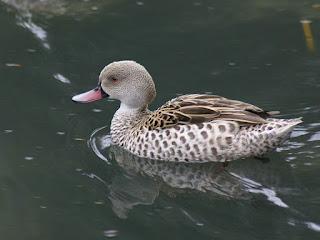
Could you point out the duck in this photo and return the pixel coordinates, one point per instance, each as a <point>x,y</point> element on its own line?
<point>189,128</point>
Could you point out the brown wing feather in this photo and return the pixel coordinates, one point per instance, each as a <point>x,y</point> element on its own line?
<point>198,108</point>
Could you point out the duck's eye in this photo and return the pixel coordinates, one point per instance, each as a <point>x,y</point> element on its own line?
<point>114,79</point>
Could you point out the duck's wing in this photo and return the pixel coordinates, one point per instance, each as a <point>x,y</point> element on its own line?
<point>198,108</point>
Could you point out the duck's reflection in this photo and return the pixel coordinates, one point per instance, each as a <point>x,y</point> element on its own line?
<point>143,179</point>
<point>128,190</point>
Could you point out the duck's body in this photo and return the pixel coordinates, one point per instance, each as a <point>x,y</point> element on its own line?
<point>189,128</point>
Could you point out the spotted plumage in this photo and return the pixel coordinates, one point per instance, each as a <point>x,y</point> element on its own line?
<point>189,128</point>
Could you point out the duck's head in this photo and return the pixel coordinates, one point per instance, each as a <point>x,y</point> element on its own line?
<point>126,81</point>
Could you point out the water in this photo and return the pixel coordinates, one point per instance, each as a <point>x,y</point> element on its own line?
<point>61,179</point>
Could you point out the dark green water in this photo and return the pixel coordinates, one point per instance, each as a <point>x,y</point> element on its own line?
<point>58,183</point>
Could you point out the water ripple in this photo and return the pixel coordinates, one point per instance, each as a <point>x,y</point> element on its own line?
<point>25,20</point>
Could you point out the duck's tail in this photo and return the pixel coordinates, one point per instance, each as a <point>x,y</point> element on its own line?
<point>263,138</point>
<point>281,129</point>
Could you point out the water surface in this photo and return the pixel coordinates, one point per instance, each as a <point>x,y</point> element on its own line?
<point>61,179</point>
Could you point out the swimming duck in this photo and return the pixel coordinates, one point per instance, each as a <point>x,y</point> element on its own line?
<point>189,128</point>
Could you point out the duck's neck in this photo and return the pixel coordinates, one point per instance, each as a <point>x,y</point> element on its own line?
<point>125,121</point>
<point>129,109</point>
